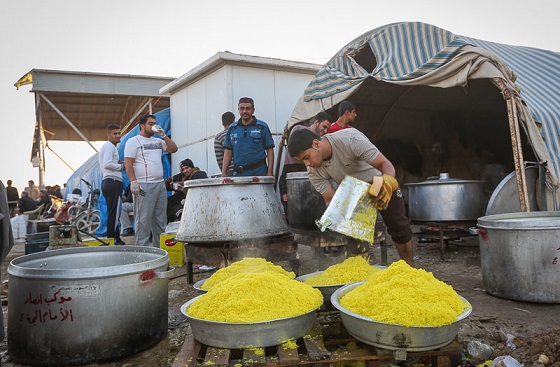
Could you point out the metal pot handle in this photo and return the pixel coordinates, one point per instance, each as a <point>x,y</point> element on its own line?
<point>166,274</point>
<point>478,231</point>
<point>152,274</point>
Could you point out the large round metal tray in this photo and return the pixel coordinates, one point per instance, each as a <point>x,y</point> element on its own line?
<point>248,335</point>
<point>198,285</point>
<point>394,336</point>
<point>327,290</point>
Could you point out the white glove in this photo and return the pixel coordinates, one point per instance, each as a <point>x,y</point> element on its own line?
<point>135,187</point>
<point>158,130</point>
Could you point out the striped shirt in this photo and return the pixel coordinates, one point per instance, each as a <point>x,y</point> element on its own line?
<point>219,151</point>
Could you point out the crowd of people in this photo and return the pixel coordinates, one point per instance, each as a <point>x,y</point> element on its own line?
<point>32,197</point>
<point>327,150</point>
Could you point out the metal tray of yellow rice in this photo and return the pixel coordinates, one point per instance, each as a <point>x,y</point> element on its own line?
<point>248,335</point>
<point>198,285</point>
<point>394,336</point>
<point>326,290</point>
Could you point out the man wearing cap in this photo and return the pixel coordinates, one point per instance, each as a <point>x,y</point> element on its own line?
<point>142,158</point>
<point>250,143</point>
<point>175,202</point>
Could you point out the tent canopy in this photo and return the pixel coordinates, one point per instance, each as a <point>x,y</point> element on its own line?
<point>435,100</point>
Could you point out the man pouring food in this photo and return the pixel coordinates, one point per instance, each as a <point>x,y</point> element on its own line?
<point>350,153</point>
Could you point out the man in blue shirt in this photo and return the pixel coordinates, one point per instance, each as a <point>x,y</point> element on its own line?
<point>250,142</point>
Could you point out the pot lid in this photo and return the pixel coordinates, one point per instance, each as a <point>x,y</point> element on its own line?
<point>505,198</point>
<point>235,180</point>
<point>443,179</point>
<point>521,221</point>
<point>297,175</point>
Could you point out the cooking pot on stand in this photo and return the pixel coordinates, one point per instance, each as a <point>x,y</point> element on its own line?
<point>441,199</point>
<point>88,304</point>
<point>305,204</point>
<point>231,209</point>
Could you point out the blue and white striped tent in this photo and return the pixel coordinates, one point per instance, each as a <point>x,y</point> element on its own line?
<point>416,54</point>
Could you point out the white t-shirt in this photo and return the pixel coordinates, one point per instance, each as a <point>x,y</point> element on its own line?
<point>109,161</point>
<point>352,155</point>
<point>147,157</point>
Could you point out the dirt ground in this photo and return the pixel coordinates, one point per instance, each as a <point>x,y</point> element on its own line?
<point>533,328</point>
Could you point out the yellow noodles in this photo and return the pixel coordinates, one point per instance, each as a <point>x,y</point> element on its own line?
<point>353,269</point>
<point>256,297</point>
<point>247,265</point>
<point>406,296</point>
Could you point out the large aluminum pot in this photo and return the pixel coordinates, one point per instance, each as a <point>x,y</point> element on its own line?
<point>305,204</point>
<point>395,336</point>
<point>243,208</point>
<point>88,304</point>
<point>520,257</point>
<point>445,199</point>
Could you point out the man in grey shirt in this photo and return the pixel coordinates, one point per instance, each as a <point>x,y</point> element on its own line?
<point>349,152</point>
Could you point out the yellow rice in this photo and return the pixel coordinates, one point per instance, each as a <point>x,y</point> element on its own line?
<point>247,265</point>
<point>256,297</point>
<point>406,296</point>
<point>353,269</point>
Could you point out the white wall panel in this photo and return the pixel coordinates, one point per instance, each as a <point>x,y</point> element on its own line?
<point>196,110</point>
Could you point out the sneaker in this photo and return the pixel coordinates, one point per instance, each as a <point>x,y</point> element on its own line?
<point>119,242</point>
<point>127,232</point>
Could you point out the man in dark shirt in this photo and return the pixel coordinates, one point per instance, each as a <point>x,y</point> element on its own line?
<point>26,204</point>
<point>13,197</point>
<point>175,183</point>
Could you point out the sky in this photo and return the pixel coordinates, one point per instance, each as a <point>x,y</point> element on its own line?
<point>170,37</point>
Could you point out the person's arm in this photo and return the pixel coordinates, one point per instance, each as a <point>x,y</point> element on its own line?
<point>108,163</point>
<point>227,159</point>
<point>383,165</point>
<point>270,158</point>
<point>129,166</point>
<point>328,195</point>
<point>171,146</point>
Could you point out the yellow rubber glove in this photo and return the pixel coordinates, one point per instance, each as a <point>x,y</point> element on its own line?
<point>382,199</point>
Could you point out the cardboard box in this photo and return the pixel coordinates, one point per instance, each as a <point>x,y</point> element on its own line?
<point>93,242</point>
<point>174,249</point>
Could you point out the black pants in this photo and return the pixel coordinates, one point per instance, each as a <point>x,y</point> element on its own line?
<point>112,190</point>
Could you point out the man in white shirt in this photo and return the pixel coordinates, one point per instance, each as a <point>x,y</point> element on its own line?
<point>142,158</point>
<point>112,185</point>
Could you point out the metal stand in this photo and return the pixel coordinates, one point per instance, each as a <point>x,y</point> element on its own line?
<point>327,244</point>
<point>274,249</point>
<point>443,232</point>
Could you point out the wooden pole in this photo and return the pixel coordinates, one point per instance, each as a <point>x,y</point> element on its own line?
<point>509,96</point>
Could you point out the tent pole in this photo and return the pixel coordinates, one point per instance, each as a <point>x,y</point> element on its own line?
<point>40,143</point>
<point>509,96</point>
<point>68,122</point>
<point>133,118</point>
<point>280,150</point>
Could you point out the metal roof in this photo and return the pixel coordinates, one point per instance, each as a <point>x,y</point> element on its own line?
<point>227,58</point>
<point>91,101</point>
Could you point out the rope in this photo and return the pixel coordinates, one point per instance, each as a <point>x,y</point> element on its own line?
<point>59,157</point>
